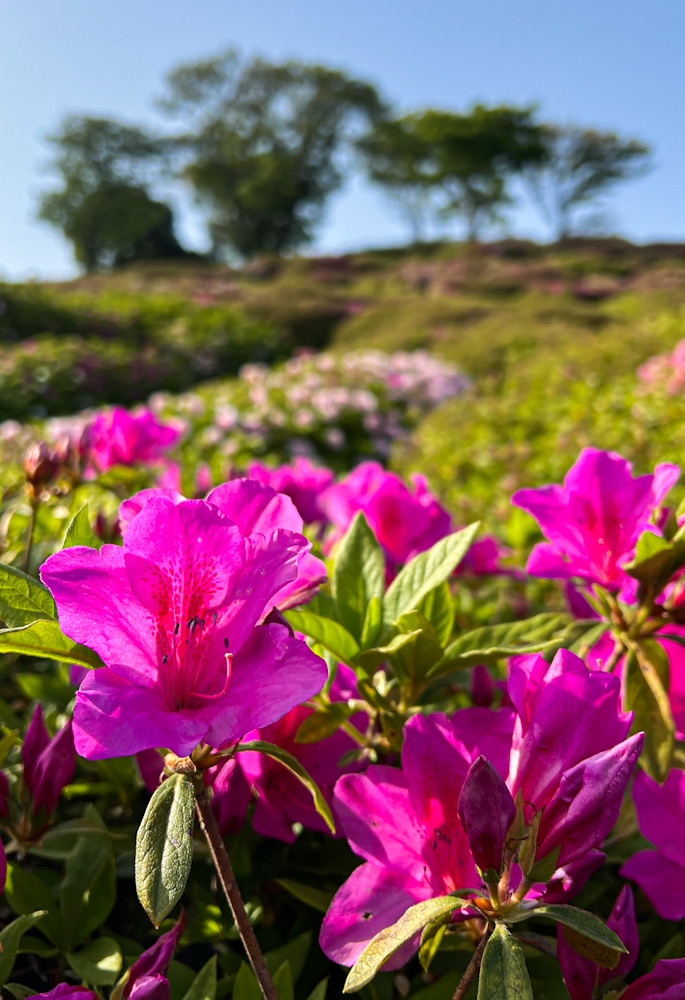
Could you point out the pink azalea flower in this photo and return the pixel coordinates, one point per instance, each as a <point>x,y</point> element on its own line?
<point>174,614</point>
<point>660,873</point>
<point>255,509</point>
<point>119,437</point>
<point>565,750</point>
<point>65,991</point>
<point>405,522</point>
<point>593,521</point>
<point>281,799</point>
<point>302,481</point>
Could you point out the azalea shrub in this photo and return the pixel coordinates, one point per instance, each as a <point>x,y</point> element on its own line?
<point>300,732</point>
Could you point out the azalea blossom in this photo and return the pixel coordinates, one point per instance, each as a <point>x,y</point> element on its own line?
<point>404,521</point>
<point>302,481</point>
<point>178,616</point>
<point>425,829</point>
<point>593,521</point>
<point>660,873</point>
<point>120,437</point>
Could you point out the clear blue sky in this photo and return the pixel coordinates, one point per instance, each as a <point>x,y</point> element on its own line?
<point>610,64</point>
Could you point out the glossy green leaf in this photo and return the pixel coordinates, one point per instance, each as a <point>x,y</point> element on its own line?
<point>358,575</point>
<point>373,623</point>
<point>283,982</point>
<point>296,952</point>
<point>79,531</point>
<point>10,938</point>
<point>645,687</point>
<point>503,972</point>
<point>371,659</point>
<point>246,986</point>
<point>99,963</point>
<point>23,599</point>
<point>45,640</point>
<point>323,722</point>
<point>589,935</point>
<point>204,985</point>
<point>426,572</point>
<point>387,941</point>
<point>319,991</point>
<point>656,560</point>
<point>431,939</point>
<point>331,634</point>
<point>164,847</point>
<point>294,766</point>
<point>26,893</point>
<point>88,891</point>
<point>495,642</point>
<point>318,899</point>
<point>413,661</point>
<point>438,608</point>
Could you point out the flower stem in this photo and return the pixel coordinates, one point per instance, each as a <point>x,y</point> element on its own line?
<point>232,892</point>
<point>472,968</point>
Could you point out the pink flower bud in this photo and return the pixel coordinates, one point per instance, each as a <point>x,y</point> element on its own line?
<point>35,741</point>
<point>54,769</point>
<point>486,810</point>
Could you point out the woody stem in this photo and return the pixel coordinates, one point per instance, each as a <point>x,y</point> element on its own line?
<point>472,968</point>
<point>224,870</point>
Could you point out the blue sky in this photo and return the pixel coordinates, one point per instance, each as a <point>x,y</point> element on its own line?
<point>597,62</point>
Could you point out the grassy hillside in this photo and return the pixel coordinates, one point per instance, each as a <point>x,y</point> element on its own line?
<point>551,337</point>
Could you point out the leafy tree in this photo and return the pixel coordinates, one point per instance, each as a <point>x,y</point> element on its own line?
<point>261,144</point>
<point>473,155</point>
<point>580,166</point>
<point>399,160</point>
<point>103,207</point>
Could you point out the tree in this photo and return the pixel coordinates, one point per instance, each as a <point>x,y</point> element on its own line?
<point>468,158</point>
<point>399,160</point>
<point>580,166</point>
<point>261,144</point>
<point>103,207</point>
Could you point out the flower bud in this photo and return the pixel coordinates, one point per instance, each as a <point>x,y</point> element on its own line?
<point>486,810</point>
<point>54,769</point>
<point>41,464</point>
<point>35,741</point>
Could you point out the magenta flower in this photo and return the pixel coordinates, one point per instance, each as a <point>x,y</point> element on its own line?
<point>660,873</point>
<point>302,481</point>
<point>174,614</point>
<point>119,437</point>
<point>581,975</point>
<point>281,799</point>
<point>404,522</point>
<point>666,981</point>
<point>256,510</point>
<point>423,830</point>
<point>65,991</point>
<point>593,521</point>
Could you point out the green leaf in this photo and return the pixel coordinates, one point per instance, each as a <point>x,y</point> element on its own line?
<point>323,722</point>
<point>387,941</point>
<point>295,951</point>
<point>645,687</point>
<point>89,891</point>
<point>22,599</point>
<point>26,894</point>
<point>10,938</point>
<point>426,572</point>
<point>246,986</point>
<point>164,846</point>
<point>330,634</point>
<point>597,941</point>
<point>79,531</point>
<point>656,560</point>
<point>431,939</point>
<point>99,963</point>
<point>358,575</point>
<point>414,660</point>
<point>318,899</point>
<point>373,623</point>
<point>438,607</point>
<point>294,766</point>
<point>319,991</point>
<point>204,985</point>
<point>495,642</point>
<point>46,640</point>
<point>503,973</point>
<point>371,659</point>
<point>544,868</point>
<point>283,982</point>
